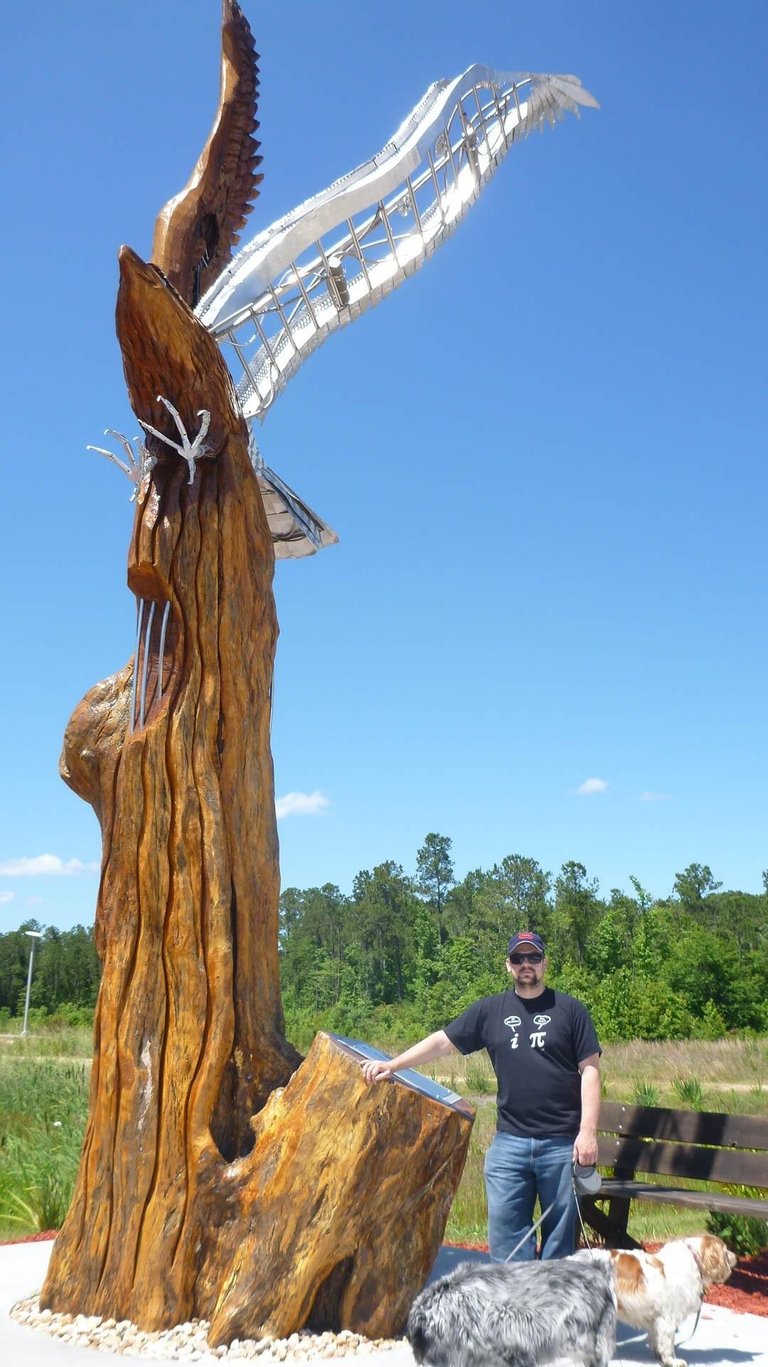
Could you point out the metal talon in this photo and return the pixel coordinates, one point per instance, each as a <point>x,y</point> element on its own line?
<point>137,464</point>
<point>145,665</point>
<point>166,612</point>
<point>136,663</point>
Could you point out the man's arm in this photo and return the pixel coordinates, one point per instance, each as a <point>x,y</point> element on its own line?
<point>585,1144</point>
<point>434,1046</point>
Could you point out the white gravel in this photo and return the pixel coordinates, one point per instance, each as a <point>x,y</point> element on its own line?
<point>189,1342</point>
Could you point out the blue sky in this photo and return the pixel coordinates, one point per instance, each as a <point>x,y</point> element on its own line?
<point>544,455</point>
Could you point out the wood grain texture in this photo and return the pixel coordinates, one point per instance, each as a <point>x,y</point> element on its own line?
<point>204,1187</point>
<point>339,1210</point>
<point>198,229</point>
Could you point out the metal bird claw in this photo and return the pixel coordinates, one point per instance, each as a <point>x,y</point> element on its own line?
<point>189,450</point>
<point>137,465</point>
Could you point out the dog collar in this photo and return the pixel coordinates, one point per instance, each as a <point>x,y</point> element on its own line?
<point>696,1259</point>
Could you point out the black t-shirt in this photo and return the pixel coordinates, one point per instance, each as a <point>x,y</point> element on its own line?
<point>535,1046</point>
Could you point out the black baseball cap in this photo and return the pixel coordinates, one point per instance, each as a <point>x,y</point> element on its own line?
<point>526,937</point>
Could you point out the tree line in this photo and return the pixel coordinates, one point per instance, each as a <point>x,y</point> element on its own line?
<point>66,969</point>
<point>405,952</point>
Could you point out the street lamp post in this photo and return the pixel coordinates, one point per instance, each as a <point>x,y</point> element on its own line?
<point>33,935</point>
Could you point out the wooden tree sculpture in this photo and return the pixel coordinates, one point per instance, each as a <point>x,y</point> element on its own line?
<point>204,1187</point>
<point>221,1176</point>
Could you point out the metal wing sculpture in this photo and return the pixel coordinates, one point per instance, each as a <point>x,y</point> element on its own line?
<point>343,250</point>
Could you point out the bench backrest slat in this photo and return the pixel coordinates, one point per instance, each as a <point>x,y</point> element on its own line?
<point>686,1127</point>
<point>628,1155</point>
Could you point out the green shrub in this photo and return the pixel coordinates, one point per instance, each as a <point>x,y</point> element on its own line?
<point>36,1016</point>
<point>68,1014</point>
<point>712,1024</point>
<point>300,1026</point>
<point>743,1235</point>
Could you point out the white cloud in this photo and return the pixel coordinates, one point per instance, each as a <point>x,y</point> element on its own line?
<point>654,797</point>
<point>6,897</point>
<point>300,804</point>
<point>592,785</point>
<point>44,864</point>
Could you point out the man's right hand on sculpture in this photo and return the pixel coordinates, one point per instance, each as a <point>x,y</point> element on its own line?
<point>376,1070</point>
<point>434,1046</point>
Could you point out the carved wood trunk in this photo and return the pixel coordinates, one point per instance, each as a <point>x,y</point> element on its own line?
<point>339,1211</point>
<point>204,1188</point>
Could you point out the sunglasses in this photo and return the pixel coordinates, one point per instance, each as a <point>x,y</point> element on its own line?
<point>525,958</point>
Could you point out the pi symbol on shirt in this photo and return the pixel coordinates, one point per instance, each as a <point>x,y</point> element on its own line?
<point>537,1037</point>
<point>513,1022</point>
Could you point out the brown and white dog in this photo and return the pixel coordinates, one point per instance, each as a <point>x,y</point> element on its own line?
<point>658,1291</point>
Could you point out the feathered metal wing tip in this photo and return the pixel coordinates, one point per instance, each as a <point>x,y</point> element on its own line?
<point>554,96</point>
<point>295,529</point>
<point>197,230</point>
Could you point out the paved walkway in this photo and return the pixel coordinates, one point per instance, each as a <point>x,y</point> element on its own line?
<point>722,1339</point>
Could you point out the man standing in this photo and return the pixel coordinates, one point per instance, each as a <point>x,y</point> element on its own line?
<point>546,1057</point>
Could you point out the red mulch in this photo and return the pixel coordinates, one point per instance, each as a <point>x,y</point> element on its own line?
<point>32,1238</point>
<point>746,1292</point>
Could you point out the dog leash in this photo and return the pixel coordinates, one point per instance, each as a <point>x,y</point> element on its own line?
<point>584,1234</point>
<point>541,1220</point>
<point>529,1232</point>
<point>695,1326</point>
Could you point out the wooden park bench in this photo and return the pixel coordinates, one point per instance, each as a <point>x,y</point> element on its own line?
<point>720,1150</point>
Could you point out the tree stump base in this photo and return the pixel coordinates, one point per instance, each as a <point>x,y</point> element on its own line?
<point>335,1218</point>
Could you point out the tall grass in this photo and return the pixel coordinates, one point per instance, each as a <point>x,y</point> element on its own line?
<point>43,1108</point>
<point>467,1222</point>
<point>690,1091</point>
<point>56,1040</point>
<point>735,1063</point>
<point>479,1076</point>
<point>645,1094</point>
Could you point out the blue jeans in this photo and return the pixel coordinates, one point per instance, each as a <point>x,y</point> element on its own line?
<point>518,1170</point>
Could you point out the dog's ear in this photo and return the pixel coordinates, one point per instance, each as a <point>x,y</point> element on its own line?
<point>715,1258</point>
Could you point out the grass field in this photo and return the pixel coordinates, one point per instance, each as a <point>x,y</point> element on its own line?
<point>44,1100</point>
